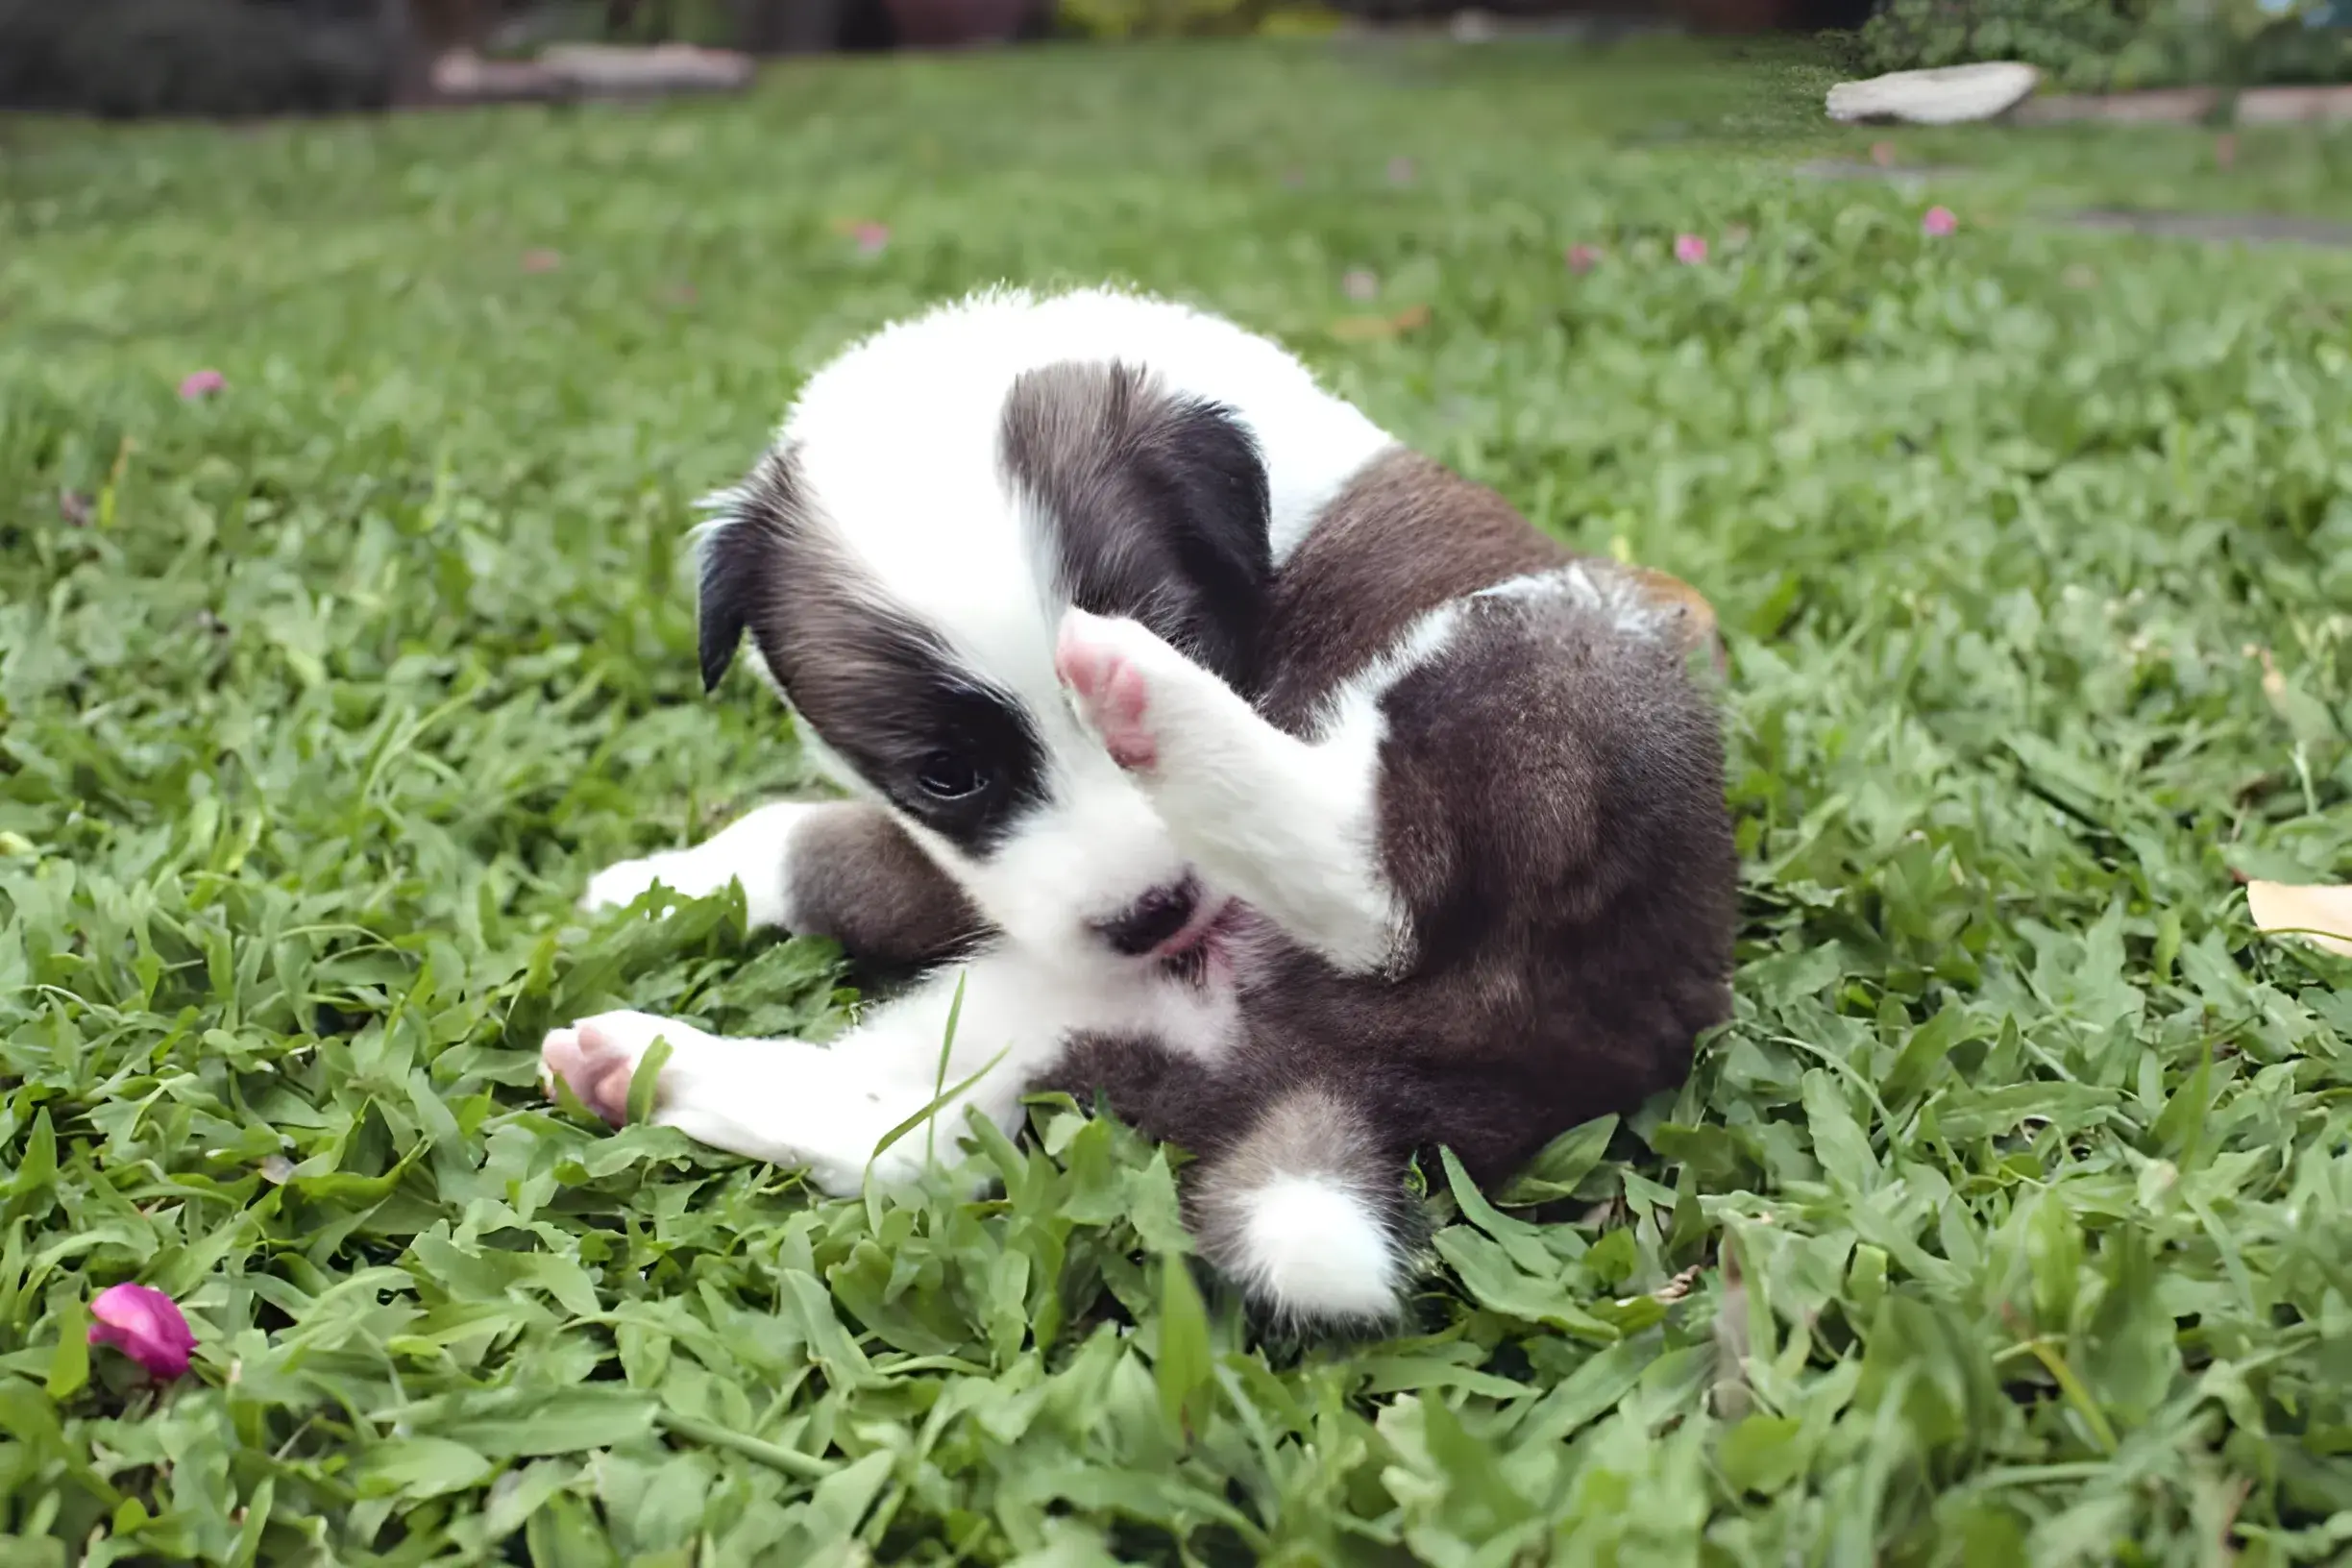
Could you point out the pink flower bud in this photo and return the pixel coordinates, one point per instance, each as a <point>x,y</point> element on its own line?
<point>144,1324</point>
<point>1583,257</point>
<point>1690,250</point>
<point>203,384</point>
<point>873,238</point>
<point>1938,222</point>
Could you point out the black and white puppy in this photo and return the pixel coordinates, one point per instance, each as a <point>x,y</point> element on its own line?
<point>1288,791</point>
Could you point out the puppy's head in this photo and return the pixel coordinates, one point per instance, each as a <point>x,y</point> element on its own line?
<point>900,561</point>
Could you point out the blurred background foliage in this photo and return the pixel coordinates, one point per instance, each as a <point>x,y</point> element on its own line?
<point>243,58</point>
<point>2118,45</point>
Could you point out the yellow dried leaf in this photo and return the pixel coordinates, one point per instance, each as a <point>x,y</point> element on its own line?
<point>2321,914</point>
<point>1369,329</point>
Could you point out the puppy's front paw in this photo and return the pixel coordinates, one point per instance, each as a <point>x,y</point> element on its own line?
<point>1106,666</point>
<point>598,1056</point>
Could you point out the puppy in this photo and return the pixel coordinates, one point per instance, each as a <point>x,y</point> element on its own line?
<point>1240,765</point>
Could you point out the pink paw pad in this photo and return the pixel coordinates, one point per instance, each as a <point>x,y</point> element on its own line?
<point>1112,692</point>
<point>597,1070</point>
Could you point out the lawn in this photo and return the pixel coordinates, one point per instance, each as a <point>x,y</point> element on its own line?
<point>2009,1222</point>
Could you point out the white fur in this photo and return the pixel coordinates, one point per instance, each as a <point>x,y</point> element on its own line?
<point>1284,824</point>
<point>828,1107</point>
<point>1312,1246</point>
<point>750,850</point>
<point>897,442</point>
<point>1630,609</point>
<point>948,371</point>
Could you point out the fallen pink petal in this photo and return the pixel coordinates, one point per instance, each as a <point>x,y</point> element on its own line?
<point>146,1325</point>
<point>1938,222</point>
<point>203,384</point>
<point>1583,257</point>
<point>1690,250</point>
<point>871,237</point>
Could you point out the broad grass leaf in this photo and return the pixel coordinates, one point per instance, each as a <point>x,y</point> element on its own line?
<point>1562,1165</point>
<point>1183,1370</point>
<point>1524,1242</point>
<point>805,1305</point>
<point>645,1082</point>
<point>1761,1452</point>
<point>2130,1353</point>
<point>1589,1392</point>
<point>419,1467</point>
<point>565,1532</point>
<point>69,1362</point>
<point>521,1422</point>
<point>1839,1142</point>
<point>1783,978</point>
<point>1495,1280</point>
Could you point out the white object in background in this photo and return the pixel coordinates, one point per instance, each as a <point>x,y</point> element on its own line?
<point>1947,95</point>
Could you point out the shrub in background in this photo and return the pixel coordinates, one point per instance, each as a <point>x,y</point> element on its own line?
<point>2117,45</point>
<point>1185,18</point>
<point>131,57</point>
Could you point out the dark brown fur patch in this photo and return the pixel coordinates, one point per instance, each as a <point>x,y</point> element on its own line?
<point>857,877</point>
<point>1406,537</point>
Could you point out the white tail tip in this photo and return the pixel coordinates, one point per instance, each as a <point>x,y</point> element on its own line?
<point>1312,1249</point>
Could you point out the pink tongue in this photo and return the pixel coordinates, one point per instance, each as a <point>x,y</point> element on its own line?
<point>1191,936</point>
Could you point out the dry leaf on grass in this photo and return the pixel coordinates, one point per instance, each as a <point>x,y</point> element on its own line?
<point>1372,328</point>
<point>2321,914</point>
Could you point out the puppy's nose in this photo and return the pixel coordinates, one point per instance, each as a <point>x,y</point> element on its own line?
<point>1152,918</point>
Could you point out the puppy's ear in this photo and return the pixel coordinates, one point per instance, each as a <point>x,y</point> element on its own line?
<point>723,607</point>
<point>748,542</point>
<point>1155,502</point>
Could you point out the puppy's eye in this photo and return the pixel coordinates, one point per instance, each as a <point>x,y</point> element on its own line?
<point>946,776</point>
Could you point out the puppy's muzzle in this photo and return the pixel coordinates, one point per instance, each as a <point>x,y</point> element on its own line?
<point>1154,920</point>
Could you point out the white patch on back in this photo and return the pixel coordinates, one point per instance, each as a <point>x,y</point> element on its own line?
<point>1615,596</point>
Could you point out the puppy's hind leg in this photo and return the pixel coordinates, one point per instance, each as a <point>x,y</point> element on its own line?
<point>1285,825</point>
<point>839,869</point>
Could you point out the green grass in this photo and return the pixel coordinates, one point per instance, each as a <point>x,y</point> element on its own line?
<point>2018,1193</point>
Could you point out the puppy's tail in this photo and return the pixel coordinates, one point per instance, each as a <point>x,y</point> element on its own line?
<point>1306,1211</point>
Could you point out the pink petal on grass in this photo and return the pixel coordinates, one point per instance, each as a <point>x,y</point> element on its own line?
<point>144,1324</point>
<point>873,238</point>
<point>1938,222</point>
<point>1690,250</point>
<point>1583,257</point>
<point>202,383</point>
